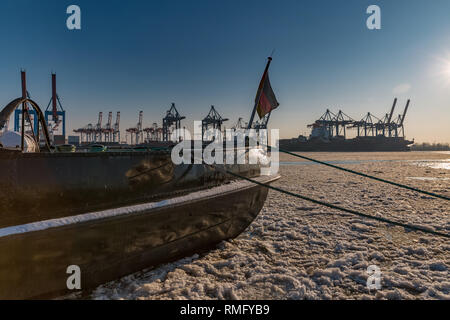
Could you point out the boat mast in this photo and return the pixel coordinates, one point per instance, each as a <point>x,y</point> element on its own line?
<point>269,60</point>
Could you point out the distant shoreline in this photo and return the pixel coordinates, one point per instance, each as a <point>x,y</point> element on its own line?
<point>430,147</point>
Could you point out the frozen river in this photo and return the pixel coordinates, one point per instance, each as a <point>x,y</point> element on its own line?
<point>299,250</point>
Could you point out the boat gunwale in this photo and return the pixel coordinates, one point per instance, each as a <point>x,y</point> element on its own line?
<point>17,154</point>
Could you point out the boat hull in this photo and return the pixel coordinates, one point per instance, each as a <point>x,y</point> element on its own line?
<point>108,244</point>
<point>40,186</point>
<point>360,144</point>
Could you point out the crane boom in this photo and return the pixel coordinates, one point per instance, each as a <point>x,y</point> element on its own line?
<point>404,112</point>
<point>54,102</point>
<point>108,125</point>
<point>117,120</point>
<point>392,111</point>
<point>139,125</point>
<point>100,116</point>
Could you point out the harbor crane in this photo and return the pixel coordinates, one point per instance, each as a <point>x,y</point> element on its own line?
<point>116,129</point>
<point>240,124</point>
<point>136,133</point>
<point>86,133</point>
<point>26,120</point>
<point>331,125</point>
<point>262,123</point>
<point>55,117</point>
<point>98,128</point>
<point>384,126</point>
<point>341,121</point>
<point>171,121</point>
<point>334,124</point>
<point>325,122</point>
<point>25,117</point>
<point>108,129</point>
<point>389,123</point>
<point>367,126</point>
<point>153,133</point>
<point>97,133</point>
<point>213,120</point>
<point>398,124</point>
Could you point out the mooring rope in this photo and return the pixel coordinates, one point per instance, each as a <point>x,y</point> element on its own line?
<point>364,175</point>
<point>329,205</point>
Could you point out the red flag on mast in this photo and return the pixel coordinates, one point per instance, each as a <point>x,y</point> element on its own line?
<point>265,98</point>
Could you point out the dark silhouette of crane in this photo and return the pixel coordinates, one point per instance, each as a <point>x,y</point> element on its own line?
<point>116,129</point>
<point>398,124</point>
<point>326,121</point>
<point>172,121</point>
<point>213,120</point>
<point>263,122</point>
<point>389,124</point>
<point>108,129</point>
<point>55,117</point>
<point>98,128</point>
<point>240,124</point>
<point>340,122</point>
<point>367,126</point>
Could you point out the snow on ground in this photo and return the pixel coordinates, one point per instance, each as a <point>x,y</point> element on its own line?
<point>299,250</point>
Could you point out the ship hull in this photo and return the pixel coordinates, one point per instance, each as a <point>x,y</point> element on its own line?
<point>40,186</point>
<point>349,145</point>
<point>112,243</point>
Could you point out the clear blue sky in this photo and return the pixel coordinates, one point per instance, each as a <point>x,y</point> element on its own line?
<point>143,55</point>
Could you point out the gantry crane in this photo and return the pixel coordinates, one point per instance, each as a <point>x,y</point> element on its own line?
<point>172,119</point>
<point>326,122</point>
<point>240,124</point>
<point>116,129</point>
<point>153,133</point>
<point>367,126</point>
<point>98,128</point>
<point>398,124</point>
<point>55,117</point>
<point>213,120</point>
<point>108,129</point>
<point>136,133</point>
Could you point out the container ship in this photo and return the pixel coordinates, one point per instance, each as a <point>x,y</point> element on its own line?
<point>329,133</point>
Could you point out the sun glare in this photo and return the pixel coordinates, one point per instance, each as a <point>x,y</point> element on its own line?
<point>442,70</point>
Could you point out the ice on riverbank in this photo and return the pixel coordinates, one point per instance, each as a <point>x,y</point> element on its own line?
<point>299,250</point>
